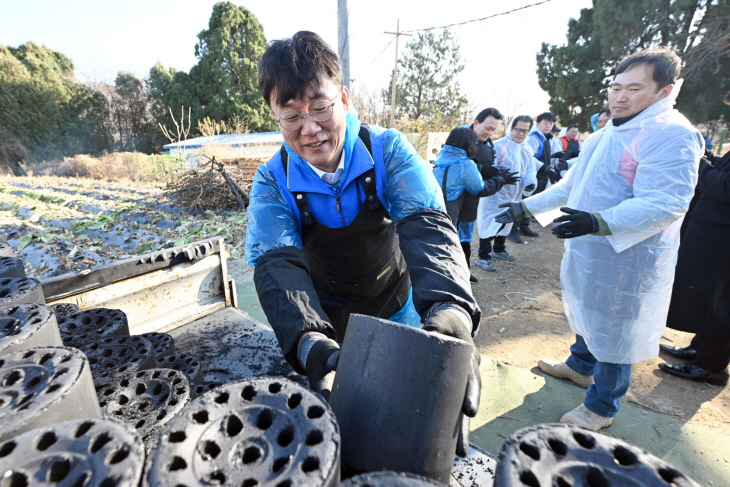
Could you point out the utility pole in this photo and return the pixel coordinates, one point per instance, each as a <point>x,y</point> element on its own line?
<point>343,39</point>
<point>397,34</point>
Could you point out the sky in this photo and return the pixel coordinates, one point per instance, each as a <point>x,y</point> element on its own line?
<point>103,37</point>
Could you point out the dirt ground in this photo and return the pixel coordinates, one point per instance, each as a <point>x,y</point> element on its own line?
<point>523,320</point>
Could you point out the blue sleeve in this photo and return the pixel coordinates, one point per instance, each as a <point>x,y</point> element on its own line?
<point>473,181</point>
<point>271,224</point>
<point>410,186</point>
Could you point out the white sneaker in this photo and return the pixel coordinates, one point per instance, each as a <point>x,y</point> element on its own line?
<point>562,371</point>
<point>582,416</point>
<point>486,264</point>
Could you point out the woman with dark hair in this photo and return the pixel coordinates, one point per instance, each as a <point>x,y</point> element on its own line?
<point>701,290</point>
<point>456,173</point>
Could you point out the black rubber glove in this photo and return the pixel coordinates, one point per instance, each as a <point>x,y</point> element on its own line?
<point>321,360</point>
<point>577,223</point>
<point>557,155</point>
<point>509,177</point>
<point>451,320</point>
<point>489,171</point>
<point>553,175</point>
<point>514,212</point>
<point>562,165</point>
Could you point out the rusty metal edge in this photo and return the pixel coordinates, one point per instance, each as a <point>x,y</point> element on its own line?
<point>73,283</point>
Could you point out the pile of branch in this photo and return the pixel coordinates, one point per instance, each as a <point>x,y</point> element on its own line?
<point>211,187</point>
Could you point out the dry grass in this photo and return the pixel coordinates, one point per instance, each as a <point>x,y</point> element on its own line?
<point>118,166</point>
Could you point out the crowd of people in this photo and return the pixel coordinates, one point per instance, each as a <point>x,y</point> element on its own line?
<point>348,218</point>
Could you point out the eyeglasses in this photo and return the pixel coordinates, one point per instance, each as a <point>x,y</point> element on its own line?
<point>521,131</point>
<point>320,112</point>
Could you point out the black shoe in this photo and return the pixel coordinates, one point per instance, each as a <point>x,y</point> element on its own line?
<point>528,232</point>
<point>514,235</point>
<point>472,278</point>
<point>693,372</point>
<point>685,353</point>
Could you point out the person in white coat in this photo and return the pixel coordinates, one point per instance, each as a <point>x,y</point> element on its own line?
<point>513,154</point>
<point>625,198</point>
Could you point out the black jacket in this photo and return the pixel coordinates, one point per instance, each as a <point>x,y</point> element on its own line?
<point>714,186</point>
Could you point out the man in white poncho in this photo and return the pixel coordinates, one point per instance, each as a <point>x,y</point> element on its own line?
<point>625,197</point>
<point>512,153</point>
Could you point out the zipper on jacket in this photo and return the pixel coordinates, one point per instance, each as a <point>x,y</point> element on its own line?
<point>339,210</point>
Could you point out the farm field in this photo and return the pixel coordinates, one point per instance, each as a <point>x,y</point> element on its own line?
<point>59,225</point>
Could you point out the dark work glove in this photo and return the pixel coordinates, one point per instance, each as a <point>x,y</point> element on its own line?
<point>530,187</point>
<point>557,155</point>
<point>319,359</point>
<point>509,177</point>
<point>562,165</point>
<point>514,212</point>
<point>553,175</point>
<point>489,171</point>
<point>577,223</point>
<point>451,320</point>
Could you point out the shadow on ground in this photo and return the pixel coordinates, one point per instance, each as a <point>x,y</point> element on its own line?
<point>514,397</point>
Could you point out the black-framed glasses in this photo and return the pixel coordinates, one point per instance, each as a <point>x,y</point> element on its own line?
<point>320,112</point>
<point>521,131</point>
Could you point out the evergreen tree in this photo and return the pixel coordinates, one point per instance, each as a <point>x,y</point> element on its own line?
<point>577,74</point>
<point>426,87</point>
<point>226,76</point>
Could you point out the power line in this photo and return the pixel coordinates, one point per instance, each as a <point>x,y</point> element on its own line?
<point>450,25</point>
<point>479,20</point>
<point>376,57</point>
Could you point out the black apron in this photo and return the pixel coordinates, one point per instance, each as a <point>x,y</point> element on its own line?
<point>542,177</point>
<point>358,268</point>
<point>485,155</point>
<point>572,150</point>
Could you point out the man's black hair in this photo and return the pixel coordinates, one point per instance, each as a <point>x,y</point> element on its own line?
<point>546,116</point>
<point>291,67</point>
<point>489,112</point>
<point>572,126</point>
<point>555,129</point>
<point>604,110</point>
<point>665,63</point>
<point>463,138</point>
<point>522,118</point>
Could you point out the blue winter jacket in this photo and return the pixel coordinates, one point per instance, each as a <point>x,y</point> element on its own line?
<point>404,182</point>
<point>463,173</point>
<point>536,141</point>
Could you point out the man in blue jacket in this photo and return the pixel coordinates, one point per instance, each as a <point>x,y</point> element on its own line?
<point>346,219</point>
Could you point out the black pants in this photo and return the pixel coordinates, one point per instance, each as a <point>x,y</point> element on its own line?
<point>466,247</point>
<point>485,246</point>
<point>713,353</point>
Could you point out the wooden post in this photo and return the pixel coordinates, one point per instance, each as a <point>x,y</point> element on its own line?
<point>397,34</point>
<point>343,39</point>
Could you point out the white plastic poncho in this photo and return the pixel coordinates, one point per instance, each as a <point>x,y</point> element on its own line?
<point>518,158</point>
<point>640,178</point>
